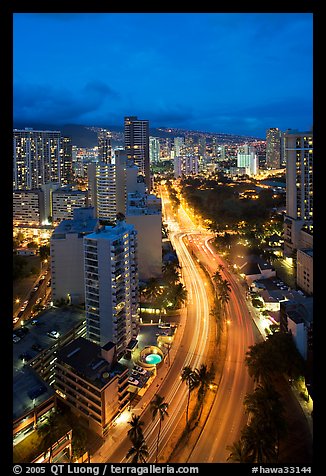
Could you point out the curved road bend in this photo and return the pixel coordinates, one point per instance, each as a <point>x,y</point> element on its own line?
<point>227,416</point>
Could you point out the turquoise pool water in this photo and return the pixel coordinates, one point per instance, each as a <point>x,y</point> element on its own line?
<point>153,359</point>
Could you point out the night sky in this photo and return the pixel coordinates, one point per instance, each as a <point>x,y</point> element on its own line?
<point>238,73</point>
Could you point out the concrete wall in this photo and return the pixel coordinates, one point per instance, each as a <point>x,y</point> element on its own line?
<point>149,228</point>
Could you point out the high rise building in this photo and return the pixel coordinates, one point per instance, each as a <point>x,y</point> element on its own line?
<point>104,146</point>
<point>111,285</point>
<point>36,158</point>
<point>185,165</point>
<point>273,148</point>
<point>154,150</point>
<point>298,222</point>
<point>247,159</point>
<point>106,205</point>
<point>178,145</point>
<point>136,136</point>
<point>66,162</point>
<point>107,186</point>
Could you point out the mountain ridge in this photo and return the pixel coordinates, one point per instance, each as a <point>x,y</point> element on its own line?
<point>86,135</point>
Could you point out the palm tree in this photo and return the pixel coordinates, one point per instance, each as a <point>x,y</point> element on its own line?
<point>217,277</point>
<point>171,272</point>
<point>178,295</point>
<point>239,452</point>
<point>138,451</point>
<point>191,378</point>
<point>259,362</point>
<point>267,409</point>
<point>158,406</point>
<point>260,443</point>
<point>135,431</point>
<point>205,378</point>
<point>224,294</point>
<point>152,289</point>
<point>224,286</point>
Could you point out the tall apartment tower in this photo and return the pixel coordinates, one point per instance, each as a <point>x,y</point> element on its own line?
<point>107,186</point>
<point>106,203</point>
<point>104,146</point>
<point>111,285</point>
<point>298,222</point>
<point>66,162</point>
<point>273,148</point>
<point>136,137</point>
<point>247,158</point>
<point>36,158</point>
<point>178,144</point>
<point>154,150</point>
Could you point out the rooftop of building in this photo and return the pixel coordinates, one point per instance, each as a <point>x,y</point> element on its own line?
<point>87,225</point>
<point>273,289</point>
<point>299,312</point>
<point>252,264</point>
<point>108,232</point>
<point>29,390</point>
<point>85,358</point>
<point>34,339</point>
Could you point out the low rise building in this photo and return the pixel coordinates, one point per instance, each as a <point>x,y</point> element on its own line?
<point>91,382</point>
<point>253,267</point>
<point>28,207</point>
<point>297,318</point>
<point>34,356</point>
<point>64,201</point>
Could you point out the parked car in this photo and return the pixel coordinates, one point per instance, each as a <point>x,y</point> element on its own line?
<point>54,334</point>
<point>37,347</point>
<point>15,338</point>
<point>133,381</point>
<point>140,370</point>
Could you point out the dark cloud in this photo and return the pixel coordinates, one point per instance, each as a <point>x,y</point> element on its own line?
<point>39,101</point>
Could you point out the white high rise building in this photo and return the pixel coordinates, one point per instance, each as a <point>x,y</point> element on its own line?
<point>298,222</point>
<point>106,203</point>
<point>111,285</point>
<point>154,150</point>
<point>178,145</point>
<point>248,160</point>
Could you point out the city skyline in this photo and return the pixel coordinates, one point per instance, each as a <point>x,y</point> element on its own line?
<point>240,73</point>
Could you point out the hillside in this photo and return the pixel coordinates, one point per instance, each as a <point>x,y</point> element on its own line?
<point>86,136</point>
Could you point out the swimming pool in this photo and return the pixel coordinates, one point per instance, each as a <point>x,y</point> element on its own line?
<point>153,359</point>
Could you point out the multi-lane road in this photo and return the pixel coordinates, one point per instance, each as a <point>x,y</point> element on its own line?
<point>227,415</point>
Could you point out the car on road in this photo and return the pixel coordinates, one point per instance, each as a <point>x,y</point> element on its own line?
<point>15,338</point>
<point>15,319</point>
